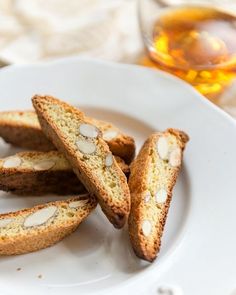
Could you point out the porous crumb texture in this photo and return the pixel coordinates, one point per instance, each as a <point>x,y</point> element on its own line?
<point>36,173</point>
<point>22,128</point>
<point>17,237</point>
<point>87,156</point>
<point>152,178</point>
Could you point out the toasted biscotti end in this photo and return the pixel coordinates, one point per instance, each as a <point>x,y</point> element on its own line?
<point>89,155</point>
<point>120,144</point>
<point>182,137</point>
<point>42,226</point>
<point>37,173</point>
<point>22,129</point>
<point>152,178</point>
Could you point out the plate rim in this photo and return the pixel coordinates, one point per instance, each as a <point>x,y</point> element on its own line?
<point>158,72</point>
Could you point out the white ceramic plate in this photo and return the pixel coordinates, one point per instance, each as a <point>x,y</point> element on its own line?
<point>199,244</point>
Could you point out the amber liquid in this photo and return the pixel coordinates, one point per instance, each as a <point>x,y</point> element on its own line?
<point>197,44</point>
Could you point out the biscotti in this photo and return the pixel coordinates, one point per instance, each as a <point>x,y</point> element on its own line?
<point>152,177</point>
<point>23,129</point>
<point>120,144</point>
<point>89,155</point>
<point>37,173</point>
<point>42,226</point>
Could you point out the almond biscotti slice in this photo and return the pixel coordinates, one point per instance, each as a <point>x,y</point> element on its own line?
<point>42,226</point>
<point>36,173</point>
<point>23,129</point>
<point>152,177</point>
<point>89,155</point>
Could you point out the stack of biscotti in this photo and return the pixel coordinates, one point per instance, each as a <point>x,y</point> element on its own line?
<point>75,154</point>
<point>22,128</point>
<point>36,173</point>
<point>46,170</point>
<point>83,145</point>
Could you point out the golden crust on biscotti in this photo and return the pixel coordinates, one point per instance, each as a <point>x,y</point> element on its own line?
<point>19,233</point>
<point>89,155</point>
<point>37,173</point>
<point>22,128</point>
<point>153,175</point>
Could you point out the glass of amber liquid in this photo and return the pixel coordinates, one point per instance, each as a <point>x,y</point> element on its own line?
<point>195,41</point>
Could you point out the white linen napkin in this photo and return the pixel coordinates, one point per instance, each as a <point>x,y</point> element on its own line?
<point>39,29</point>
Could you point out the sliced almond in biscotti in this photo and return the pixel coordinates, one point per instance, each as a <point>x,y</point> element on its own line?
<point>42,226</point>
<point>40,217</point>
<point>23,129</point>
<point>35,173</point>
<point>119,143</point>
<point>152,177</point>
<point>12,162</point>
<point>87,156</point>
